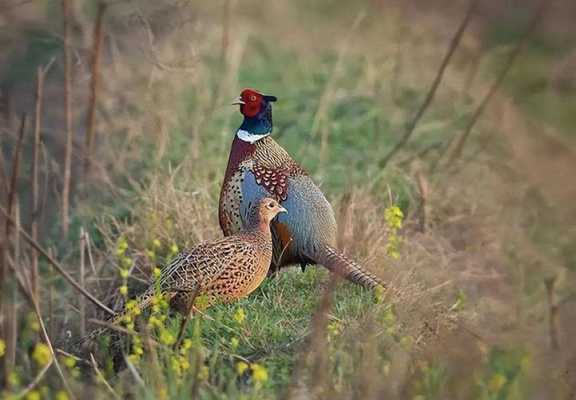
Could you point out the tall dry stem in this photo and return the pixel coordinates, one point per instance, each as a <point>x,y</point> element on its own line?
<point>98,38</point>
<point>411,126</point>
<point>460,140</point>
<point>40,74</point>
<point>68,119</point>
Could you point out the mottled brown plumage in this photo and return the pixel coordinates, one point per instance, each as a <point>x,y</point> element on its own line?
<point>224,270</point>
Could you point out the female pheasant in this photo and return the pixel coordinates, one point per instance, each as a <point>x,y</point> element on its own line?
<point>259,167</point>
<point>224,270</point>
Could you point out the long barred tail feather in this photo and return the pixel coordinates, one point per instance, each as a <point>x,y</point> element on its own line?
<point>337,262</point>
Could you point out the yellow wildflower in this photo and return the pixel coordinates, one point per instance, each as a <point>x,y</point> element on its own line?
<point>204,373</point>
<point>241,367</point>
<point>496,383</point>
<point>156,243</point>
<point>123,290</point>
<point>150,254</point>
<point>126,262</point>
<point>32,320</point>
<point>61,395</point>
<point>2,347</point>
<point>234,342</point>
<point>174,248</point>
<point>186,345</point>
<point>70,362</point>
<point>13,379</point>
<point>33,395</point>
<point>239,315</point>
<point>41,354</point>
<point>184,364</point>
<point>166,337</point>
<point>124,273</point>
<point>157,271</point>
<point>259,373</point>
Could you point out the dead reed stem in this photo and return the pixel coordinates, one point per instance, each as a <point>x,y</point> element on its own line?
<point>82,300</point>
<point>59,268</point>
<point>68,118</point>
<point>7,293</point>
<point>423,190</point>
<point>35,381</point>
<point>460,140</point>
<point>226,30</point>
<point>35,171</point>
<point>553,323</point>
<point>411,126</point>
<point>49,343</point>
<point>314,347</point>
<point>94,85</point>
<point>102,379</point>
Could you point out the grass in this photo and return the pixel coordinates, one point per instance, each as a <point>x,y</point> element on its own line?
<point>472,320</point>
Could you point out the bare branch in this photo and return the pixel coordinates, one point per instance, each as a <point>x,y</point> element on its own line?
<point>411,126</point>
<point>58,267</point>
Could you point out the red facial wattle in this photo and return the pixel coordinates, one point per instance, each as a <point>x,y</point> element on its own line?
<point>252,103</point>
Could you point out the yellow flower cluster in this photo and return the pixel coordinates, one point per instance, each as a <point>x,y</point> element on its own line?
<point>239,315</point>
<point>259,373</point>
<point>394,217</point>
<point>2,347</point>
<point>70,363</point>
<point>41,354</point>
<point>180,363</point>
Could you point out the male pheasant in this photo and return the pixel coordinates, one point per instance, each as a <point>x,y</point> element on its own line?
<point>259,167</point>
<point>220,271</point>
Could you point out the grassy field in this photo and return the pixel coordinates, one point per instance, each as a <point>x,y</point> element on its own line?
<point>484,262</point>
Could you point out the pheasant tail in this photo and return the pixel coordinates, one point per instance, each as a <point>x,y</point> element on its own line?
<point>337,262</point>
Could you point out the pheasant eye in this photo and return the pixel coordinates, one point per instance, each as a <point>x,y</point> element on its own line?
<point>271,205</point>
<point>252,98</point>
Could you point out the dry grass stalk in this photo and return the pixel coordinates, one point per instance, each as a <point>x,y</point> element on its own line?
<point>102,379</point>
<point>22,394</point>
<point>94,85</point>
<point>460,140</point>
<point>314,348</point>
<point>51,318</point>
<point>227,9</point>
<point>40,74</point>
<point>423,190</point>
<point>411,126</point>
<point>82,300</point>
<point>68,118</point>
<point>58,267</point>
<point>49,343</point>
<point>553,308</point>
<point>7,293</point>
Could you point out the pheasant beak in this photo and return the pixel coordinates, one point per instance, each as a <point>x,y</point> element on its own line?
<point>282,209</point>
<point>237,101</point>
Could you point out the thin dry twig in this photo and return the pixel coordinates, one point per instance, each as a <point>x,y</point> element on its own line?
<point>461,139</point>
<point>94,85</point>
<point>82,300</point>
<point>423,190</point>
<point>40,75</point>
<point>49,343</point>
<point>411,126</point>
<point>317,335</point>
<point>553,308</point>
<point>68,118</point>
<point>7,306</point>
<point>58,267</point>
<point>35,381</point>
<point>102,378</point>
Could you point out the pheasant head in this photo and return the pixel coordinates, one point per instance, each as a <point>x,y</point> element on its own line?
<point>263,213</point>
<point>257,111</point>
